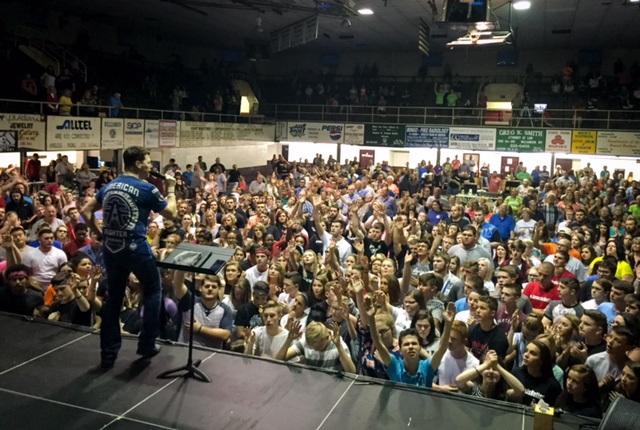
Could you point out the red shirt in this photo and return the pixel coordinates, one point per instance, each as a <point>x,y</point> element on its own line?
<point>565,274</point>
<point>540,298</point>
<point>495,184</point>
<point>72,247</point>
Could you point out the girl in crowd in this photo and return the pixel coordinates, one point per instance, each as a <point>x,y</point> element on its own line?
<point>582,394</point>
<point>633,258</point>
<point>275,279</point>
<point>370,365</point>
<point>629,386</point>
<point>615,249</point>
<point>232,276</point>
<point>424,324</point>
<point>308,269</point>
<point>172,241</point>
<point>317,295</point>
<point>454,266</point>
<point>502,256</point>
<point>536,375</point>
<point>103,179</point>
<point>531,328</point>
<point>436,214</point>
<point>240,295</point>
<point>587,255</point>
<point>565,331</point>
<point>211,223</point>
<point>485,271</point>
<point>494,381</point>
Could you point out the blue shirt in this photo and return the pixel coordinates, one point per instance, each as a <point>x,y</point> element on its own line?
<point>187,177</point>
<point>126,202</point>
<point>422,378</point>
<point>609,310</point>
<point>505,226</point>
<point>462,305</point>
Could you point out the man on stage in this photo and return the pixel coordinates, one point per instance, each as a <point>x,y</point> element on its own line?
<point>126,203</point>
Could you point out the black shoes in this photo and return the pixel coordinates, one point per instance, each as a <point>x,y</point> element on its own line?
<point>149,353</point>
<point>107,364</point>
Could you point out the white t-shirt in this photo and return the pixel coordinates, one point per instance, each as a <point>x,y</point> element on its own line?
<point>451,367</point>
<point>253,275</point>
<point>524,229</point>
<point>268,345</point>
<point>44,266</point>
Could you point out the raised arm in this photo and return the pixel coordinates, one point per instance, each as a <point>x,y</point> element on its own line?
<point>179,288</point>
<point>449,315</point>
<point>406,273</point>
<point>316,200</point>
<point>385,356</point>
<point>286,353</point>
<point>345,358</point>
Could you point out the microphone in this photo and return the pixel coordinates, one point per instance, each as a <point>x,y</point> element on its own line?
<point>157,175</point>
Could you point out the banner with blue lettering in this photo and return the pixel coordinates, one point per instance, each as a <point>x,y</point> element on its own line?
<point>315,132</point>
<point>426,137</point>
<point>66,133</point>
<point>475,139</point>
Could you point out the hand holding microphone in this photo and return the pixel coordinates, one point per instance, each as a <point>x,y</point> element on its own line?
<point>169,181</point>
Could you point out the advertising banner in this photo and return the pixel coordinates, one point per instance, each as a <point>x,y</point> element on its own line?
<point>167,133</point>
<point>583,142</point>
<point>520,140</point>
<point>384,135</point>
<point>8,141</point>
<point>73,133</point>
<point>315,132</point>
<point>151,133</point>
<point>558,141</point>
<point>427,137</point>
<point>30,129</point>
<point>133,132</point>
<point>112,133</point>
<point>367,157</point>
<point>625,143</point>
<point>475,139</point>
<point>354,134</point>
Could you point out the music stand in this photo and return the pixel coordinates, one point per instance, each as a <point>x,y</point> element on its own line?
<point>192,258</point>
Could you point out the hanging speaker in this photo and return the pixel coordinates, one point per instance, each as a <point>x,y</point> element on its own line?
<point>623,414</point>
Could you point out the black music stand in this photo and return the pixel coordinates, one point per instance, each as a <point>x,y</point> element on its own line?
<point>208,260</point>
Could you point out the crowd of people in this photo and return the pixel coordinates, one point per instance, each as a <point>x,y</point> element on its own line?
<point>371,270</point>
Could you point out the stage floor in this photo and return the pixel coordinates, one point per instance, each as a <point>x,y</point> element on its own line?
<point>50,379</point>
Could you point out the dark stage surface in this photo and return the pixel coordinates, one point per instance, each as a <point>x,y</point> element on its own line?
<point>50,379</point>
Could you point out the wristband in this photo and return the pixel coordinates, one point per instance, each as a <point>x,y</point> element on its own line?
<point>200,329</point>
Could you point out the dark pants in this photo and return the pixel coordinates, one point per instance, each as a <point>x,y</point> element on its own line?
<point>118,269</point>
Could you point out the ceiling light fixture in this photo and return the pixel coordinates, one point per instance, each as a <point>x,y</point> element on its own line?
<point>365,11</point>
<point>522,5</point>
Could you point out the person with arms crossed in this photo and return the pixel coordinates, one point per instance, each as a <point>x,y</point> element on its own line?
<point>126,202</point>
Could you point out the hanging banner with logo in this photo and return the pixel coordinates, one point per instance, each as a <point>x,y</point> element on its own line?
<point>225,132</point>
<point>133,132</point>
<point>625,143</point>
<point>558,141</point>
<point>30,129</point>
<point>151,133</point>
<point>354,134</point>
<point>427,137</point>
<point>520,140</point>
<point>315,132</point>
<point>367,157</point>
<point>112,133</point>
<point>583,142</point>
<point>281,131</point>
<point>76,134</point>
<point>8,141</point>
<point>475,139</point>
<point>384,135</point>
<point>167,133</point>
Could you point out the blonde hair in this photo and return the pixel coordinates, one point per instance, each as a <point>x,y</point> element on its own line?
<point>315,333</point>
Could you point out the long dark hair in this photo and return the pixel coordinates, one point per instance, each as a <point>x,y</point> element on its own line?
<point>590,380</point>
<point>545,357</point>
<point>424,314</point>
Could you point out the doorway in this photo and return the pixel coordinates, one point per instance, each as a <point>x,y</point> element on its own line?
<point>508,165</point>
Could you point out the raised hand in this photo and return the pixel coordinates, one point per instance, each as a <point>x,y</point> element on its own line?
<point>294,332</point>
<point>369,307</point>
<point>7,241</point>
<point>96,273</point>
<point>357,286</point>
<point>316,200</point>
<point>580,351</point>
<point>515,321</point>
<point>359,246</point>
<point>408,258</point>
<point>491,358</point>
<point>335,334</point>
<point>381,299</point>
<point>450,313</point>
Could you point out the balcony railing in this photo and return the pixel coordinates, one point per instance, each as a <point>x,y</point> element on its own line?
<point>439,116</point>
<point>458,116</point>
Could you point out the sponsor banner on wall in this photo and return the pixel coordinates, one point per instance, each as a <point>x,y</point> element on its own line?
<point>520,140</point>
<point>151,133</point>
<point>205,134</point>
<point>134,132</point>
<point>73,133</point>
<point>625,143</point>
<point>583,142</point>
<point>367,157</point>
<point>384,135</point>
<point>167,133</point>
<point>281,131</point>
<point>8,141</point>
<point>315,132</point>
<point>429,137</point>
<point>30,129</point>
<point>112,133</point>
<point>354,134</point>
<point>476,139</point>
<point>558,141</point>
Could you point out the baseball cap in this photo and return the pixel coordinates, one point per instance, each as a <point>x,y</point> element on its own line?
<point>565,231</point>
<point>261,289</point>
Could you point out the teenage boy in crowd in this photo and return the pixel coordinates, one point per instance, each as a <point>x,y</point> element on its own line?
<point>486,335</point>
<point>568,303</point>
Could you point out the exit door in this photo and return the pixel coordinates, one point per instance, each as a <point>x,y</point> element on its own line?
<point>508,165</point>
